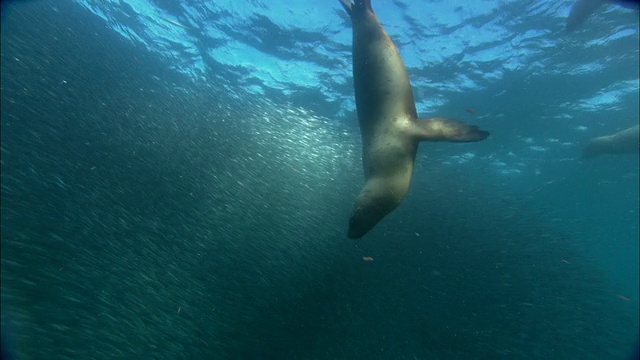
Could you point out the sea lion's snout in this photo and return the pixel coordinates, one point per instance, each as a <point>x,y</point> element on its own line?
<point>367,213</point>
<point>360,224</point>
<point>589,150</point>
<point>355,231</point>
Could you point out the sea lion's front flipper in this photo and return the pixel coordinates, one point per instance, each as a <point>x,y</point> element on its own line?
<point>439,129</point>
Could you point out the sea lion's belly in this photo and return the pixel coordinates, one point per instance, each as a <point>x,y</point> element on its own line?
<point>382,88</point>
<point>387,152</point>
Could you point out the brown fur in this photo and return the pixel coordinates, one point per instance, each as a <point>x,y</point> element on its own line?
<point>623,142</point>
<point>388,120</point>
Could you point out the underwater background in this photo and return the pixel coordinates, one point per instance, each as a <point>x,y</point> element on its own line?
<point>177,178</point>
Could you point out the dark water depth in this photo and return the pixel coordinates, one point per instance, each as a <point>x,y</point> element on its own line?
<point>144,216</point>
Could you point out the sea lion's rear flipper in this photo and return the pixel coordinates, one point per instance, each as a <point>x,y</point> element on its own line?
<point>359,6</point>
<point>580,12</point>
<point>439,129</point>
<point>347,5</point>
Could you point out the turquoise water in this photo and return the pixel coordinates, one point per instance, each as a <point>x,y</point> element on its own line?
<point>182,191</point>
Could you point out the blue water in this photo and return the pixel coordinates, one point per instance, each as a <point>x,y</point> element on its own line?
<point>177,178</point>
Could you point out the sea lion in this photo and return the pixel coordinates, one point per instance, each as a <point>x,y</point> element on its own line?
<point>582,10</point>
<point>388,120</point>
<point>622,142</point>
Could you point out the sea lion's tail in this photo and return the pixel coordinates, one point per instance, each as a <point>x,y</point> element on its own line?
<point>359,5</point>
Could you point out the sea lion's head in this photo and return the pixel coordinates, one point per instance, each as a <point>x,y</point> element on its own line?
<point>368,210</point>
<point>595,147</point>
